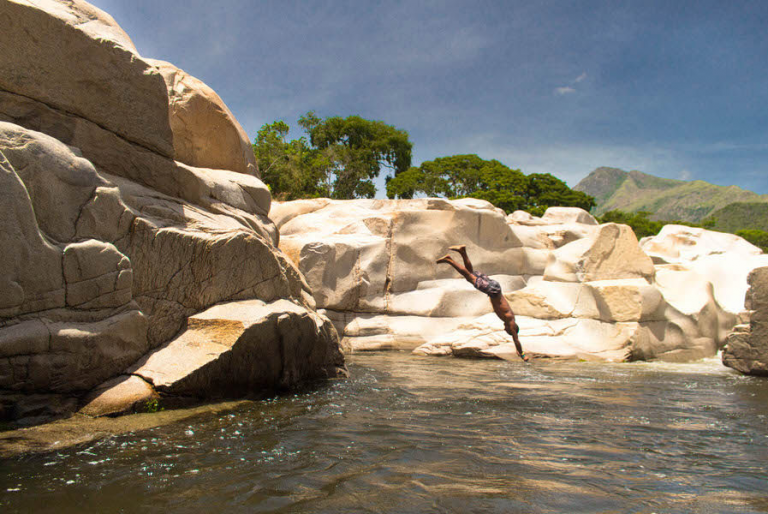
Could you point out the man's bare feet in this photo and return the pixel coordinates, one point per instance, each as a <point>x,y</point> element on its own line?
<point>524,357</point>
<point>458,248</point>
<point>444,258</point>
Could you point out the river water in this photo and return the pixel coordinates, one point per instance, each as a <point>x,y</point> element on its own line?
<point>408,434</point>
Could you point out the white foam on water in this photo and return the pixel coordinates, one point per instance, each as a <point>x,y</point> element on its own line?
<point>709,366</point>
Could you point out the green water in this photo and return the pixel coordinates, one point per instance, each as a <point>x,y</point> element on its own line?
<point>408,434</point>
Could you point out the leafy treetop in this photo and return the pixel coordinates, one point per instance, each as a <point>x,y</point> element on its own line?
<point>340,159</point>
<point>461,176</point>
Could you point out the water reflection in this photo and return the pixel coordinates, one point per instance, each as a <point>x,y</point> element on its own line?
<point>412,434</point>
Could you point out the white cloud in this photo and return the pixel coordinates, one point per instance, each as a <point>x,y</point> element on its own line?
<point>685,175</point>
<point>569,89</point>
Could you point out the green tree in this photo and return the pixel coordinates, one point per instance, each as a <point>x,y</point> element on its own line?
<point>340,158</point>
<point>757,237</point>
<point>354,150</point>
<point>468,175</point>
<point>449,177</point>
<point>546,190</point>
<point>291,169</point>
<point>503,187</point>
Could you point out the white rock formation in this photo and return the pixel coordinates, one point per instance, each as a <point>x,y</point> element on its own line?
<point>723,259</point>
<point>579,289</point>
<point>205,133</point>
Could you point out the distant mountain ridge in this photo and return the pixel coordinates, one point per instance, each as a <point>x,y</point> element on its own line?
<point>664,198</point>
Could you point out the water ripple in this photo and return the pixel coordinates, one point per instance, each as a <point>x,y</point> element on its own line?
<point>408,434</point>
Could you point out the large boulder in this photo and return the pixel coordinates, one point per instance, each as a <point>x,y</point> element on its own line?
<point>148,103</point>
<point>73,57</point>
<point>379,255</point>
<point>722,259</point>
<point>610,253</point>
<point>205,133</point>
<point>129,204</point>
<point>226,351</point>
<point>559,226</point>
<point>747,347</point>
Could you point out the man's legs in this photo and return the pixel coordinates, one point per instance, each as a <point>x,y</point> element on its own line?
<point>464,272</point>
<point>462,250</point>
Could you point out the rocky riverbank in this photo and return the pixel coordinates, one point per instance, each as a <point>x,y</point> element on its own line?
<point>142,258</point>
<point>580,290</point>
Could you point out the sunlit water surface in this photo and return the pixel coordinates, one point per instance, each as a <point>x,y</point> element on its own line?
<point>408,434</point>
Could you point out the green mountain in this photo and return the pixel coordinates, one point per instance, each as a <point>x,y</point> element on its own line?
<point>740,216</point>
<point>665,199</point>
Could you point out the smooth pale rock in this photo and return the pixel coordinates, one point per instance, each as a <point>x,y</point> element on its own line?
<point>219,190</point>
<point>611,253</point>
<point>563,215</point>
<point>73,357</point>
<point>379,255</point>
<point>246,346</point>
<point>682,244</point>
<point>31,277</point>
<point>205,133</point>
<point>59,182</point>
<point>97,275</point>
<point>686,290</point>
<point>672,341</point>
<point>558,227</point>
<point>119,395</point>
<point>73,57</point>
<point>362,331</point>
<point>606,300</point>
<point>554,300</point>
<point>722,259</point>
<point>446,298</point>
<point>747,345</point>
<point>551,236</point>
<point>566,338</point>
<point>728,275</point>
<point>524,218</point>
<point>626,300</point>
<point>370,256</point>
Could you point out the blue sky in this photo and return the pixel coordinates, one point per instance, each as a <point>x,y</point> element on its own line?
<point>674,88</point>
